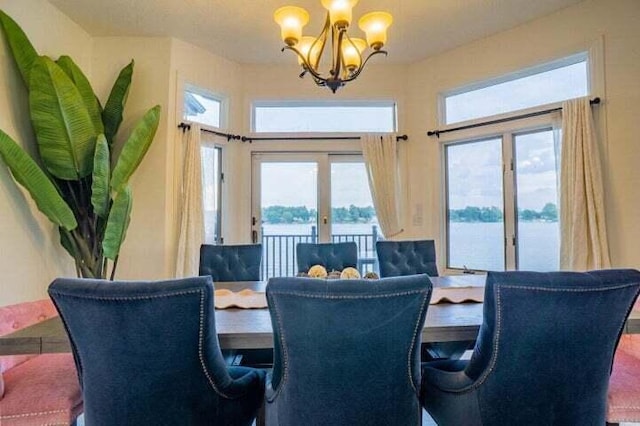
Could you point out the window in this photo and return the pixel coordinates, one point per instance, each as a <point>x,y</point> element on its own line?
<point>202,107</point>
<point>326,199</point>
<point>502,181</point>
<point>555,82</point>
<point>307,117</point>
<point>212,193</point>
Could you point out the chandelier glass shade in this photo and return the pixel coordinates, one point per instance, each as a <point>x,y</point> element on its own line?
<point>349,55</point>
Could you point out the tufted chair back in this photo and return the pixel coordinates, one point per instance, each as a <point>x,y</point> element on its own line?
<point>147,353</point>
<point>333,256</point>
<point>544,351</point>
<point>397,258</point>
<point>231,263</point>
<point>346,352</point>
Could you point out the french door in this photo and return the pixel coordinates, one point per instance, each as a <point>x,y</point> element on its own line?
<point>310,197</point>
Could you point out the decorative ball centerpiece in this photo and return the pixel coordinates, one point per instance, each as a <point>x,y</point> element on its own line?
<point>317,271</point>
<point>334,275</point>
<point>371,276</point>
<point>349,273</point>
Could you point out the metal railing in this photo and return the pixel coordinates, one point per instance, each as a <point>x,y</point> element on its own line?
<point>279,251</point>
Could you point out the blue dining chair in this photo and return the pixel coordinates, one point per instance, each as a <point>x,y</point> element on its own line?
<point>231,262</point>
<point>147,353</point>
<point>333,256</point>
<point>397,258</point>
<point>543,354</point>
<point>346,352</point>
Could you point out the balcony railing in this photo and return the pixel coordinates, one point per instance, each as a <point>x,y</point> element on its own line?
<point>279,251</point>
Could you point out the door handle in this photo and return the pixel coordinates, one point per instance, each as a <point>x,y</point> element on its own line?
<point>254,236</point>
<point>325,220</point>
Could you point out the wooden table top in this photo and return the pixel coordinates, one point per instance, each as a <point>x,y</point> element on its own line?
<point>251,328</point>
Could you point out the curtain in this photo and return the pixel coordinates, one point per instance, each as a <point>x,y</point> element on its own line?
<point>191,231</point>
<point>381,161</point>
<point>583,235</point>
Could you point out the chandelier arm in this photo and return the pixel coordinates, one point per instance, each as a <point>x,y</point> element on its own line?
<point>357,51</point>
<point>357,73</point>
<point>337,52</point>
<point>323,36</point>
<point>305,64</point>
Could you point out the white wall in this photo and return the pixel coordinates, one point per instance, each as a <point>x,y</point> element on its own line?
<point>575,28</point>
<point>30,255</point>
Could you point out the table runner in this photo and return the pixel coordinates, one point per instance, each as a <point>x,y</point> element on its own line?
<point>249,299</point>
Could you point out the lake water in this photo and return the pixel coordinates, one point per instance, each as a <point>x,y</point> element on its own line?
<point>475,245</point>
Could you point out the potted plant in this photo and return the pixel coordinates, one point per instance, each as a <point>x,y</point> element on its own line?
<point>80,187</point>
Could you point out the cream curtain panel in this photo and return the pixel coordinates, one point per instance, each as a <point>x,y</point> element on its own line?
<point>583,235</point>
<point>381,161</point>
<point>191,232</point>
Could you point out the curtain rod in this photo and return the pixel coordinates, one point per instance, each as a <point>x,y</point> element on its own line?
<point>437,133</point>
<point>229,136</point>
<point>313,138</point>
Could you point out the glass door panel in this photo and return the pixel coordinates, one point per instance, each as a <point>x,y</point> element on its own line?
<point>288,212</point>
<point>475,216</point>
<point>353,217</point>
<point>538,232</point>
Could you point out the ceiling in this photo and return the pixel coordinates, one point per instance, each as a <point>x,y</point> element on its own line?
<point>244,30</point>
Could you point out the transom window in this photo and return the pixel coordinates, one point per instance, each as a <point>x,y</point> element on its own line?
<point>202,107</point>
<point>306,117</point>
<point>546,84</point>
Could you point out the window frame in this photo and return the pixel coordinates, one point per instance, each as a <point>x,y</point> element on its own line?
<point>219,97</point>
<point>593,52</point>
<point>220,150</point>
<point>585,55</point>
<point>318,103</point>
<point>506,132</point>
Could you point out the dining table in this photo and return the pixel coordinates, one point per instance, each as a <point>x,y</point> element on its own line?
<point>239,328</point>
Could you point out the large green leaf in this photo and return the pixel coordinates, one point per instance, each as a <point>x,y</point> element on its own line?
<point>23,52</point>
<point>135,148</point>
<point>65,133</point>
<point>117,224</point>
<point>101,175</point>
<point>114,108</point>
<point>34,180</point>
<point>86,91</point>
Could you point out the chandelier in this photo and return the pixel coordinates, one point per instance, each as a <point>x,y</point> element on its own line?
<point>346,52</point>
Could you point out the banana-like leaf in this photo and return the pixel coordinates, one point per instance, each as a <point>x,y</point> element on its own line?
<point>65,133</point>
<point>65,241</point>
<point>114,108</point>
<point>117,224</point>
<point>33,179</point>
<point>86,91</point>
<point>101,175</point>
<point>23,52</point>
<point>135,148</point>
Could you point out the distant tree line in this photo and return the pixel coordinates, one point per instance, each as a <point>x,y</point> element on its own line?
<point>301,214</point>
<point>549,213</point>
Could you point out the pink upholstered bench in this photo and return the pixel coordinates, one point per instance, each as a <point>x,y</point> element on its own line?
<point>36,389</point>
<point>624,385</point>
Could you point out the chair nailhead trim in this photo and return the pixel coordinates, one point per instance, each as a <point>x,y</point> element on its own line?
<point>330,296</point>
<point>427,297</point>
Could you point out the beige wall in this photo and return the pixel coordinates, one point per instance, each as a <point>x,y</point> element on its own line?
<point>146,252</point>
<point>196,66</point>
<point>30,256</point>
<point>29,252</point>
<point>573,29</point>
<point>272,83</point>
